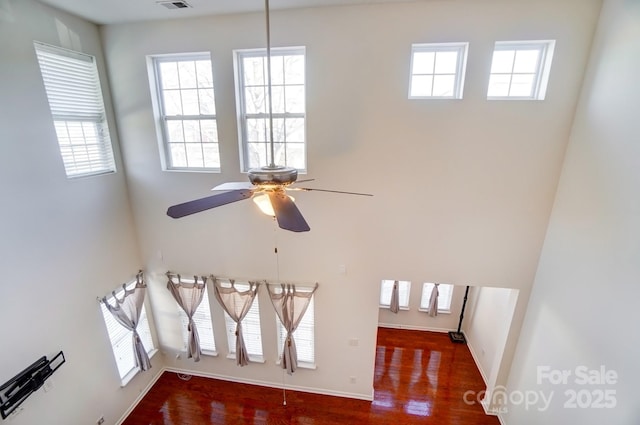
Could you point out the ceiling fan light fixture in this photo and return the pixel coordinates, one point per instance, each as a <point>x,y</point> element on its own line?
<point>264,203</point>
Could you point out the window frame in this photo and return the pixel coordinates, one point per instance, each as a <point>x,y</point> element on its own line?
<point>403,293</point>
<point>242,116</point>
<point>461,48</point>
<point>308,321</point>
<point>543,67</point>
<point>427,287</point>
<point>74,94</point>
<point>202,316</point>
<point>162,119</point>
<point>124,336</point>
<point>248,328</point>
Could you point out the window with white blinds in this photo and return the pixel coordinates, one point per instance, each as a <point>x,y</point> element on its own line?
<point>75,100</point>
<point>404,288</point>
<point>121,339</point>
<point>445,294</point>
<point>304,337</point>
<point>250,330</point>
<point>202,319</point>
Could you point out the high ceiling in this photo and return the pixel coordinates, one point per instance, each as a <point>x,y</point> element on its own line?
<point>118,11</point>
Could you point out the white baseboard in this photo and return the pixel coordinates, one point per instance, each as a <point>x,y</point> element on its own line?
<point>138,399</point>
<point>477,361</point>
<point>414,328</point>
<point>274,385</point>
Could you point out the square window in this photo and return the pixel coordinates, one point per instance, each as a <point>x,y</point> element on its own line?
<point>186,110</point>
<point>202,319</point>
<point>520,70</point>
<point>445,294</point>
<point>304,337</point>
<point>251,330</point>
<point>288,107</point>
<point>386,287</point>
<point>437,70</point>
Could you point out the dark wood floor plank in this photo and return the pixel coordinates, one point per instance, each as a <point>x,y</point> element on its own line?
<point>419,378</point>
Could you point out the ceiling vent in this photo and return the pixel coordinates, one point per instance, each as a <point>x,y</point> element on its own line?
<point>178,4</point>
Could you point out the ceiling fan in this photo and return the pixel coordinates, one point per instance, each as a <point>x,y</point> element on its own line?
<point>267,185</point>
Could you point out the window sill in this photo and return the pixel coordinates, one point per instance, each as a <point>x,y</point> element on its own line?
<point>193,170</point>
<point>252,358</point>
<point>302,365</point>
<point>386,307</point>
<point>133,372</point>
<point>426,310</point>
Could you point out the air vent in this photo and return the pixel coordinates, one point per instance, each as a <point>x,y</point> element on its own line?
<point>174,4</point>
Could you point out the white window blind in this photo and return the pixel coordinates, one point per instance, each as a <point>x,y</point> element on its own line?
<point>187,111</point>
<point>304,337</point>
<point>250,329</point>
<point>437,70</point>
<point>202,319</point>
<point>121,338</point>
<point>386,287</point>
<point>75,100</point>
<point>289,110</point>
<point>445,294</point>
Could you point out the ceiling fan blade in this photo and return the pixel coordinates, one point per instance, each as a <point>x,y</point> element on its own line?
<point>234,186</point>
<point>287,214</point>
<point>209,202</point>
<point>308,189</point>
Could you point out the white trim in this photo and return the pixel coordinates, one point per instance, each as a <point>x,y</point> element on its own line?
<point>273,384</point>
<point>414,328</point>
<point>477,361</point>
<point>141,395</point>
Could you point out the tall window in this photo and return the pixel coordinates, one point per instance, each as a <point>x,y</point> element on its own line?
<point>250,329</point>
<point>288,91</point>
<point>75,100</point>
<point>187,112</point>
<point>404,288</point>
<point>304,336</point>
<point>520,70</point>
<point>445,294</point>
<point>437,70</point>
<point>202,319</point>
<point>120,338</point>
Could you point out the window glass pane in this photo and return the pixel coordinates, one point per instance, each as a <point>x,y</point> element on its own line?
<point>169,75</point>
<point>209,131</point>
<point>423,62</point>
<point>421,85</point>
<point>499,85</point>
<point>174,131</point>
<point>203,73</point>
<point>278,99</point>
<point>403,292</point>
<point>187,74</point>
<point>172,102</point>
<point>256,129</point>
<point>255,100</point>
<point>211,155</point>
<point>445,293</point>
<point>502,61</point>
<point>446,62</point>
<point>295,130</point>
<point>277,70</point>
<point>294,69</point>
<point>526,61</point>
<point>191,131</point>
<point>522,85</point>
<point>443,85</point>
<point>190,104</point>
<point>206,102</point>
<point>178,154</point>
<point>194,155</point>
<point>253,71</point>
<point>257,154</point>
<point>295,99</point>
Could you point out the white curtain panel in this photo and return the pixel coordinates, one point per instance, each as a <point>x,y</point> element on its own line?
<point>189,296</point>
<point>290,305</point>
<point>127,312</point>
<point>394,304</point>
<point>433,301</point>
<point>236,304</point>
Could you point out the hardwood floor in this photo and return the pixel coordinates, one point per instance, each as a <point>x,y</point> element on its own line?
<point>420,378</point>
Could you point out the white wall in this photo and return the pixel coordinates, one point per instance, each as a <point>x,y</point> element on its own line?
<point>487,323</point>
<point>64,242</point>
<point>584,303</point>
<point>463,189</point>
